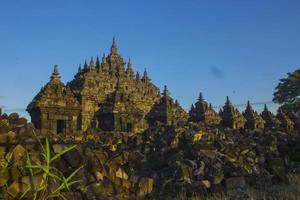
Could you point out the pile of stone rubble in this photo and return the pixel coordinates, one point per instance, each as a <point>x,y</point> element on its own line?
<point>160,162</point>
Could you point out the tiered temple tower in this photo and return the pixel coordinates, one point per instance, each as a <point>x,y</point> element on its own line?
<point>96,89</point>
<point>55,108</point>
<point>270,120</point>
<point>254,120</point>
<point>202,112</point>
<point>166,111</point>
<point>103,94</point>
<point>231,117</point>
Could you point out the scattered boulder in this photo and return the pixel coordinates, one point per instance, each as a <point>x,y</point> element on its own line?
<point>235,182</point>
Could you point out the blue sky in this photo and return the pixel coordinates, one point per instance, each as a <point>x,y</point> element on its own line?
<point>235,48</point>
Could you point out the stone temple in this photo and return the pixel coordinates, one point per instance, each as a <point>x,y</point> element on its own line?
<point>108,95</point>
<point>103,95</point>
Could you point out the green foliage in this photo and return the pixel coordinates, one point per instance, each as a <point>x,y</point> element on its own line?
<point>5,165</point>
<point>47,182</point>
<point>53,181</point>
<point>288,88</point>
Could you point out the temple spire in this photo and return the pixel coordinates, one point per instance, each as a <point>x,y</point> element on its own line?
<point>145,76</point>
<point>129,64</point>
<point>55,75</point>
<point>166,91</point>
<point>79,68</point>
<point>201,97</point>
<point>129,70</point>
<point>114,48</point>
<point>249,107</point>
<point>92,64</point>
<point>145,73</point>
<point>85,65</point>
<point>266,108</point>
<point>228,101</point>
<point>97,62</point>
<point>103,58</point>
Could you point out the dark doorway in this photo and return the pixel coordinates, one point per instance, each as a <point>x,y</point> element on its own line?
<point>106,122</point>
<point>129,127</point>
<point>60,126</point>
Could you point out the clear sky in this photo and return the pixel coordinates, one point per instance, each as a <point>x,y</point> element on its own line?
<point>235,48</point>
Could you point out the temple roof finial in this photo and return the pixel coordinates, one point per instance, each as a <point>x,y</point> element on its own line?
<point>129,64</point>
<point>129,69</point>
<point>104,58</point>
<point>85,65</point>
<point>165,88</point>
<point>92,64</point>
<point>97,62</point>
<point>166,91</point>
<point>114,48</point>
<point>227,100</point>
<point>265,108</point>
<point>248,105</point>
<point>55,75</point>
<point>145,75</point>
<point>201,97</point>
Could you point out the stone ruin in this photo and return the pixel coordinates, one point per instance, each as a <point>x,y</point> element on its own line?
<point>107,97</point>
<point>103,95</point>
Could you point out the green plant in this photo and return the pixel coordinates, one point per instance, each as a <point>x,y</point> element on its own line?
<point>52,181</point>
<point>5,165</point>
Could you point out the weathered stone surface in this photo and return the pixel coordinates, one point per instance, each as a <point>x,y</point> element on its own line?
<point>235,182</point>
<point>121,174</point>
<point>19,153</point>
<point>145,186</point>
<point>19,187</point>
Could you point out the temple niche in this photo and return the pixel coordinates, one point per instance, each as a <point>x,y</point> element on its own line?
<point>55,109</point>
<point>202,112</point>
<point>119,113</point>
<point>253,119</point>
<point>231,117</point>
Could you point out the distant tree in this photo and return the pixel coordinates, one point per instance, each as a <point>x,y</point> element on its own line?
<point>287,93</point>
<point>288,89</point>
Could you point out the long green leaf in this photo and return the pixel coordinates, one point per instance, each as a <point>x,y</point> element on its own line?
<point>62,152</point>
<point>39,141</point>
<point>63,186</point>
<point>25,192</point>
<point>48,153</point>
<point>46,170</point>
<point>74,173</point>
<point>66,183</point>
<point>29,163</point>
